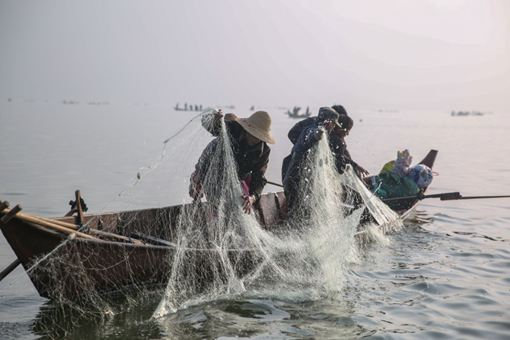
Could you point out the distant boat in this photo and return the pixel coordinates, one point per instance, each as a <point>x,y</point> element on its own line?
<point>98,103</point>
<point>70,102</point>
<point>388,110</point>
<point>295,112</point>
<point>190,107</point>
<point>466,113</point>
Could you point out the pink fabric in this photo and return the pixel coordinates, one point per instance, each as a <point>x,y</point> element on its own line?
<point>245,186</point>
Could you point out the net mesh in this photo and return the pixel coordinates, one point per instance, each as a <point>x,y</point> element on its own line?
<point>209,250</point>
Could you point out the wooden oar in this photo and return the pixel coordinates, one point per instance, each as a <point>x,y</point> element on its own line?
<point>93,231</point>
<point>67,228</point>
<point>64,227</point>
<point>446,196</point>
<point>475,197</point>
<point>48,223</point>
<point>275,184</point>
<point>9,269</point>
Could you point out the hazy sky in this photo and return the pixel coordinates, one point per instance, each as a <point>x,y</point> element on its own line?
<point>449,54</point>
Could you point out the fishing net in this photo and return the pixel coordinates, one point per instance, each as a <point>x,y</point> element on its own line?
<point>210,249</point>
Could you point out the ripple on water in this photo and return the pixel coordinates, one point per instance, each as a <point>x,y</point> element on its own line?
<point>263,310</point>
<point>434,335</point>
<point>233,318</point>
<point>450,219</point>
<point>434,288</point>
<point>463,330</point>
<point>499,325</point>
<point>13,193</point>
<point>15,330</point>
<point>480,300</point>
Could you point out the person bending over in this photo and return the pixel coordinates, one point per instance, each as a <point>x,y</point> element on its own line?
<point>337,144</point>
<point>296,166</point>
<point>249,139</point>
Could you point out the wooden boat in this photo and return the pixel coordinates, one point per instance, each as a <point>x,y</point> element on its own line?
<point>112,260</point>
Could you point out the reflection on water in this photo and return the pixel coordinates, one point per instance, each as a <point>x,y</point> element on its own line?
<point>264,319</point>
<point>242,317</point>
<point>58,321</point>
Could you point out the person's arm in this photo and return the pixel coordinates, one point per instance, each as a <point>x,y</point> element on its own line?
<point>297,129</point>
<point>307,139</point>
<point>258,181</point>
<point>198,176</point>
<point>360,171</point>
<point>212,122</point>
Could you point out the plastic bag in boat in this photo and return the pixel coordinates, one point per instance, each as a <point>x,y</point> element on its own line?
<point>421,175</point>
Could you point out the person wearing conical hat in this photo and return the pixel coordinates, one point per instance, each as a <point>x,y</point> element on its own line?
<point>249,140</point>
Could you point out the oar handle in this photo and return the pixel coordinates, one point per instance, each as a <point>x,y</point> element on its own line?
<point>482,197</point>
<point>444,197</point>
<point>274,183</point>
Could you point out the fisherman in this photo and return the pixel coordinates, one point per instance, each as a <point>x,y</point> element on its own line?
<point>294,164</point>
<point>249,138</point>
<point>337,136</point>
<point>339,146</point>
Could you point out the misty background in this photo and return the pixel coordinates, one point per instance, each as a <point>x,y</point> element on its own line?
<point>364,54</point>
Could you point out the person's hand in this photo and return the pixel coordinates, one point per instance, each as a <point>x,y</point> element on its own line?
<point>329,125</point>
<point>362,172</point>
<point>218,114</point>
<point>319,133</point>
<point>249,201</point>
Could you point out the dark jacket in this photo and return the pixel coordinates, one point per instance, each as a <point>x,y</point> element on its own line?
<point>336,144</point>
<point>251,160</point>
<point>296,130</point>
<point>294,166</point>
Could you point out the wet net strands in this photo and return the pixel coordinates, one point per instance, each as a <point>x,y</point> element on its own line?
<point>209,250</point>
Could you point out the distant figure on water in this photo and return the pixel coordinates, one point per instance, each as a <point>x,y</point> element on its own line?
<point>249,138</point>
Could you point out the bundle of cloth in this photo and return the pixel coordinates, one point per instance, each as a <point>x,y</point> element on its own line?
<point>398,178</point>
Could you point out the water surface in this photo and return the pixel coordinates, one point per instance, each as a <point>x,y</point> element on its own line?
<point>446,278</point>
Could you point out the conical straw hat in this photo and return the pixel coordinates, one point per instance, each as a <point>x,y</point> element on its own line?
<point>258,125</point>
